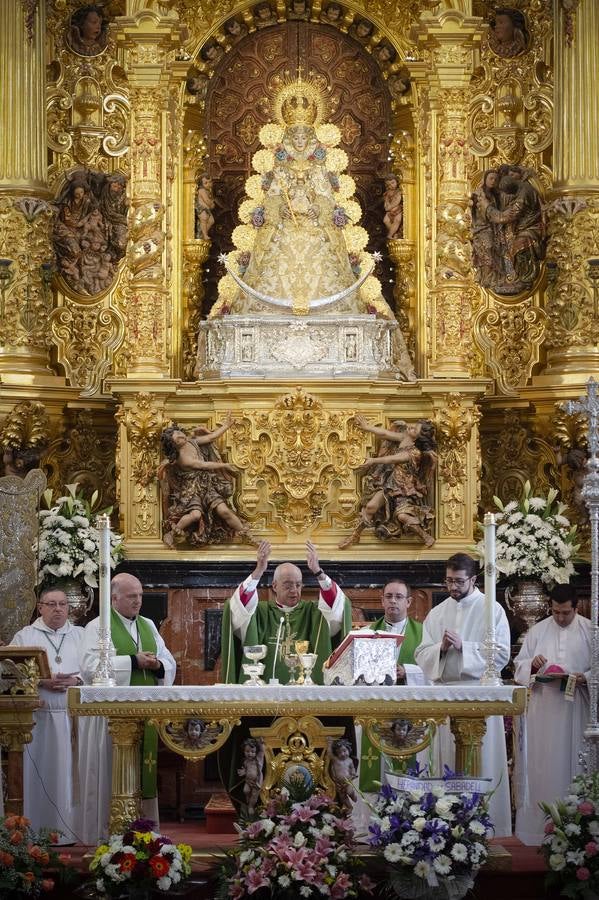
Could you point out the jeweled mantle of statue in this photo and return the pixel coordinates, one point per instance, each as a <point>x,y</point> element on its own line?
<point>299,293</point>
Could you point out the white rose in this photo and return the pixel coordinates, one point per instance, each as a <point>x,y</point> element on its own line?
<point>443,807</point>
<point>299,840</point>
<point>419,824</point>
<point>557,861</point>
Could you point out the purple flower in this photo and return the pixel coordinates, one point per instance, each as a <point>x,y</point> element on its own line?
<point>281,154</point>
<point>333,180</point>
<point>340,218</point>
<point>142,825</point>
<point>258,217</point>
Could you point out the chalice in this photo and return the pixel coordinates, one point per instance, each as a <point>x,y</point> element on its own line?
<point>293,663</point>
<point>308,661</point>
<point>255,668</point>
<point>301,648</point>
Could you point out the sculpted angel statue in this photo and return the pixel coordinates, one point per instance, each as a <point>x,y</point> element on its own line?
<point>394,501</point>
<point>196,489</point>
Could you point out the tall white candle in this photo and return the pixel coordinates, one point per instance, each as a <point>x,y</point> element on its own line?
<point>490,571</point>
<point>103,524</point>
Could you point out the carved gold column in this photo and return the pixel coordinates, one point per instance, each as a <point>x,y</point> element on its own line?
<point>125,803</point>
<point>195,255</point>
<point>468,734</point>
<point>25,269</point>
<point>446,44</point>
<point>573,252</point>
<point>148,40</point>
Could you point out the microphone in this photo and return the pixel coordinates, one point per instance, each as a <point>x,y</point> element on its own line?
<point>274,662</point>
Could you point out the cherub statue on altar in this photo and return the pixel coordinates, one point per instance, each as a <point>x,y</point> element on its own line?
<point>196,489</point>
<point>393,202</point>
<point>343,769</point>
<point>394,501</point>
<point>204,204</point>
<point>252,770</point>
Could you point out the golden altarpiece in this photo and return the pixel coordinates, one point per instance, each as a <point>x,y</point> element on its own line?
<point>429,91</point>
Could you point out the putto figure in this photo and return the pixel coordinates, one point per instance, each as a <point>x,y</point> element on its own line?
<point>196,489</point>
<point>393,203</point>
<point>88,31</point>
<point>508,35</point>
<point>252,771</point>
<point>394,501</point>
<point>204,204</point>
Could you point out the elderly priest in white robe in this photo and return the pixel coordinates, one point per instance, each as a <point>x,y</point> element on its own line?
<point>450,653</point>
<point>140,658</point>
<point>552,735</point>
<point>49,770</point>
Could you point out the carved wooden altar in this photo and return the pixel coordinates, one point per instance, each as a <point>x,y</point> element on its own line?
<point>222,706</point>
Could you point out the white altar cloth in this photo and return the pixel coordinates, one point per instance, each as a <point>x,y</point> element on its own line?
<point>240,693</point>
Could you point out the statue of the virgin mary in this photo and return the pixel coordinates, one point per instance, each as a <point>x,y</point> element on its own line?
<point>299,251</point>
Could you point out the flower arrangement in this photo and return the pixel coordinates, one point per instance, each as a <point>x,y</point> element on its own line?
<point>299,848</point>
<point>534,539</point>
<point>140,857</point>
<point>433,840</point>
<point>68,541</point>
<point>571,842</point>
<point>26,857</point>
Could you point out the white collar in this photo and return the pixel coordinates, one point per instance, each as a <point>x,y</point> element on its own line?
<point>41,626</point>
<point>396,627</point>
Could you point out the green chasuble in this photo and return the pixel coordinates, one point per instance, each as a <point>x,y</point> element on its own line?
<point>370,758</point>
<point>126,646</point>
<point>306,623</point>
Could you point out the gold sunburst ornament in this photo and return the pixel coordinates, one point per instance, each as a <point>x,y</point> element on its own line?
<point>300,102</point>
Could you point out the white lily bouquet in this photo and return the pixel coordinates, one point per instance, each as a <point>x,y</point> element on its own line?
<point>68,544</point>
<point>534,539</point>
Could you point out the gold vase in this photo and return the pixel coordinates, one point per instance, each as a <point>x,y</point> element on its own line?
<point>528,601</point>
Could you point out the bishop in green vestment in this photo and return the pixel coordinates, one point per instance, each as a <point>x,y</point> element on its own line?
<point>247,620</point>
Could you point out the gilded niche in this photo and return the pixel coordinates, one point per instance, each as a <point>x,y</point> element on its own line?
<point>90,230</point>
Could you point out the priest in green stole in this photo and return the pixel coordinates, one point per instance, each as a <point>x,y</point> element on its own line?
<point>247,620</point>
<point>396,599</point>
<point>140,659</point>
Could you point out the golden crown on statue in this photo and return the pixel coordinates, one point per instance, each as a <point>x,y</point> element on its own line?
<point>300,102</point>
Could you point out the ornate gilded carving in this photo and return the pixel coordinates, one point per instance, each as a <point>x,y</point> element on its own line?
<point>195,255</point>
<point>571,437</point>
<point>24,436</point>
<point>86,338</point>
<point>301,743</point>
<point>468,734</point>
<point>403,256</point>
<point>88,111</point>
<point>19,678</point>
<point>144,423</point>
<point>399,738</point>
<point>84,455</point>
<point>454,425</point>
<point>513,457</point>
<point>25,294</point>
<point>292,455</point>
<point>511,110</point>
<point>511,337</point>
<point>194,738</point>
<point>573,290</point>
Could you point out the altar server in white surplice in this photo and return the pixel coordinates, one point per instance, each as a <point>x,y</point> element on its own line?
<point>49,764</point>
<point>451,653</point>
<point>140,658</point>
<point>550,739</point>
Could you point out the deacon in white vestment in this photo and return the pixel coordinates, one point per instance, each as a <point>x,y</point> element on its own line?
<point>551,735</point>
<point>451,653</point>
<point>50,777</point>
<point>137,666</point>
